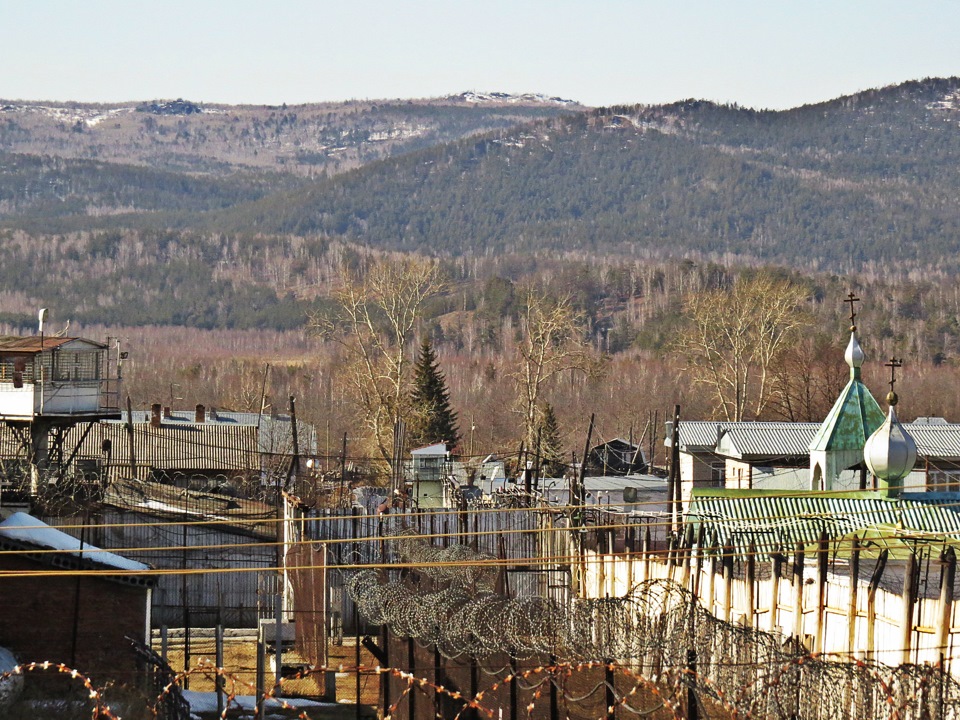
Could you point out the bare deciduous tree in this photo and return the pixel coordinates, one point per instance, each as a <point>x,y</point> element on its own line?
<point>735,339</point>
<point>380,304</point>
<point>807,379</point>
<point>552,342</point>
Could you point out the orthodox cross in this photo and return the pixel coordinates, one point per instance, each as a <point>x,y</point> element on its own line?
<point>893,364</point>
<point>851,298</point>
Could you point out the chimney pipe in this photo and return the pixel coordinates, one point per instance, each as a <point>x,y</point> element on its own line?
<point>200,416</point>
<point>155,415</point>
<point>166,412</point>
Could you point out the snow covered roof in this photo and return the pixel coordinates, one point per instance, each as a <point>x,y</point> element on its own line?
<point>23,528</point>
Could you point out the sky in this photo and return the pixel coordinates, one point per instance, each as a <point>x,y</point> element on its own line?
<point>763,54</point>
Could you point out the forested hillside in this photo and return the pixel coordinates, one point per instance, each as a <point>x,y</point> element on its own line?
<point>866,179</point>
<point>303,140</point>
<point>631,315</point>
<point>863,184</point>
<point>45,194</point>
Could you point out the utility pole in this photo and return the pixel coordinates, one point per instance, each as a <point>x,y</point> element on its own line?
<point>578,519</point>
<point>133,455</point>
<point>653,438</point>
<point>580,497</point>
<point>536,463</point>
<point>673,483</point>
<point>343,468</point>
<point>294,469</point>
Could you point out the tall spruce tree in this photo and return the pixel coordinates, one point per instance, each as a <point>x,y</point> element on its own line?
<point>433,420</point>
<point>551,446</point>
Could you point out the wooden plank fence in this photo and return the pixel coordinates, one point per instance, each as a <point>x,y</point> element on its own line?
<point>891,611</point>
<point>354,539</point>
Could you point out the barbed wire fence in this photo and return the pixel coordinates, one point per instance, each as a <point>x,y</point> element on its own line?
<point>530,657</point>
<point>656,649</point>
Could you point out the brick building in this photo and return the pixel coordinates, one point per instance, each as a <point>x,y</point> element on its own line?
<point>81,620</point>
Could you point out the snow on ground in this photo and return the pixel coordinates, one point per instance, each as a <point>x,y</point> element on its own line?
<point>97,119</point>
<point>10,685</point>
<point>90,116</point>
<point>205,703</point>
<point>950,101</point>
<point>164,507</point>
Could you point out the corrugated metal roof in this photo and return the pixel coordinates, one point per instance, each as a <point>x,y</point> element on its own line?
<point>697,433</point>
<point>211,417</point>
<point>177,448</point>
<point>32,344</point>
<point>782,439</point>
<point>766,439</point>
<point>936,441</point>
<point>225,448</point>
<point>774,519</point>
<point>275,431</point>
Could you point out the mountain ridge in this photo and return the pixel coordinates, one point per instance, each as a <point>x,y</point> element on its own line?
<point>861,178</point>
<point>865,182</point>
<point>304,140</point>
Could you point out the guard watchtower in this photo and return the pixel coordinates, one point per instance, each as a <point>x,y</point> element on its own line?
<point>48,386</point>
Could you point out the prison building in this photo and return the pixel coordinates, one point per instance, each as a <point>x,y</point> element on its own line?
<point>81,620</point>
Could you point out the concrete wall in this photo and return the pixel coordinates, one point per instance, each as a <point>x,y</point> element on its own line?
<point>738,475</point>
<point>696,470</point>
<point>883,627</point>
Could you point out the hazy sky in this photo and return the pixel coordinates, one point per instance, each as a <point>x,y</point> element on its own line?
<point>769,53</point>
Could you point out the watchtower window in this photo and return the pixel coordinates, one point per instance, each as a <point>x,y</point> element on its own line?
<point>16,370</point>
<point>73,366</point>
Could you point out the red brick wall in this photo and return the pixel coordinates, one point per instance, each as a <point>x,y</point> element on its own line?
<point>37,620</point>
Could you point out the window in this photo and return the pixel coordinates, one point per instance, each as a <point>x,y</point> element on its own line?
<point>943,480</point>
<point>718,474</point>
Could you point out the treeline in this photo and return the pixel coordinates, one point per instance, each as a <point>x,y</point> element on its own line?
<point>234,281</point>
<point>159,277</point>
<point>476,350</point>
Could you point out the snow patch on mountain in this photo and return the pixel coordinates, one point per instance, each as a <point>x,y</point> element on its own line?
<point>89,116</point>
<point>950,101</point>
<point>401,131</point>
<point>513,99</point>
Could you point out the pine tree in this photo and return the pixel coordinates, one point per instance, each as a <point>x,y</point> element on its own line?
<point>551,446</point>
<point>433,420</point>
